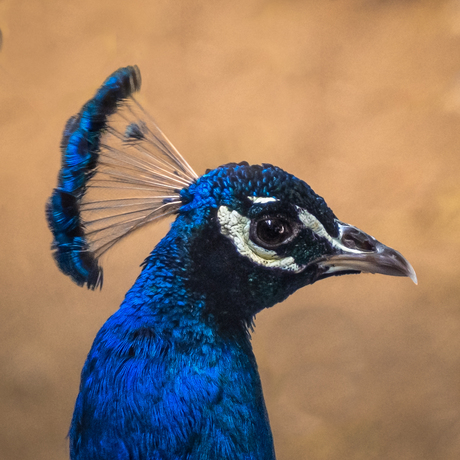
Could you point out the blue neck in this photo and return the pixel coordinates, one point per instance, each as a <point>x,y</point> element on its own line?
<point>185,386</point>
<point>168,294</point>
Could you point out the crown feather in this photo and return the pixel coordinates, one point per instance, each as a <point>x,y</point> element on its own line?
<point>118,173</point>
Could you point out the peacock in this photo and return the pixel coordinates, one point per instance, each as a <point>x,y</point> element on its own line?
<point>172,375</point>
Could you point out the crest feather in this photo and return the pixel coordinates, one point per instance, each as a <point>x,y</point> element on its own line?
<point>118,173</point>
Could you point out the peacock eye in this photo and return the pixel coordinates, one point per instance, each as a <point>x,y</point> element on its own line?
<point>270,232</point>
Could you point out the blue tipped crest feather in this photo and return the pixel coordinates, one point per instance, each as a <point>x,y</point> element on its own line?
<point>80,151</point>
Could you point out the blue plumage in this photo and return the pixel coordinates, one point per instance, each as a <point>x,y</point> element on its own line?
<point>171,375</point>
<point>162,383</point>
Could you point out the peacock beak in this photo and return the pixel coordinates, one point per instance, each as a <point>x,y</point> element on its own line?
<point>356,251</point>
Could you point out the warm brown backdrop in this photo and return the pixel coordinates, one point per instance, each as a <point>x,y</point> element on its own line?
<point>360,98</point>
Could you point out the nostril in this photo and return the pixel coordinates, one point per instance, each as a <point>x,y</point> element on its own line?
<point>348,241</point>
<point>368,245</point>
<point>354,239</point>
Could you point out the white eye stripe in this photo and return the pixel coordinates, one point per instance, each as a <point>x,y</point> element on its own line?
<point>311,222</point>
<point>236,227</point>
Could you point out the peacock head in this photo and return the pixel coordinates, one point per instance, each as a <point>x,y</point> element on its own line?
<point>255,234</point>
<point>260,233</point>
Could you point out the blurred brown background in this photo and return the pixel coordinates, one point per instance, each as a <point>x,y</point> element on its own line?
<point>360,98</point>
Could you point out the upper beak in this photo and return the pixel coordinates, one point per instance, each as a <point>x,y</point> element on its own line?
<point>357,251</point>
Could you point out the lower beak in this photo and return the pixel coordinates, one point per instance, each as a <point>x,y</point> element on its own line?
<point>357,252</point>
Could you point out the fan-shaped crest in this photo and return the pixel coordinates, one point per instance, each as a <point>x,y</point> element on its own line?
<point>119,172</point>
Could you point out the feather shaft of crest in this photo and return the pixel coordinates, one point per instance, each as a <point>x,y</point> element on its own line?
<point>151,158</point>
<point>119,172</point>
<point>125,177</point>
<point>118,186</point>
<point>141,172</point>
<point>130,226</point>
<point>139,165</point>
<point>146,185</point>
<point>176,156</point>
<point>124,221</point>
<point>154,138</point>
<point>120,214</point>
<point>121,202</point>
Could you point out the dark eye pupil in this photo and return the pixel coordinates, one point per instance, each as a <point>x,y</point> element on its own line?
<point>271,232</point>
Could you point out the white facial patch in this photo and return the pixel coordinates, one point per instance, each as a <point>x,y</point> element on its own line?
<point>236,227</point>
<point>262,199</point>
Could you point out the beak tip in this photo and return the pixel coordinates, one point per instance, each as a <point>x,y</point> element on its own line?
<point>408,269</point>
<point>412,275</point>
